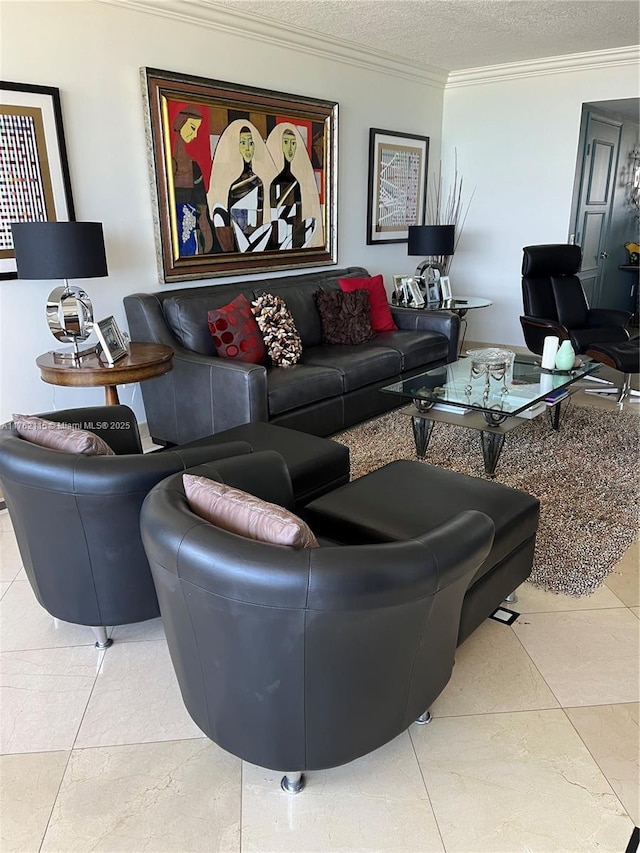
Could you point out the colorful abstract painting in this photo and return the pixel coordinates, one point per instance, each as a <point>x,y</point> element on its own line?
<point>245,177</point>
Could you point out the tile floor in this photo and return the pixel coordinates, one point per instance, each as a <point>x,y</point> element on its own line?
<point>533,747</point>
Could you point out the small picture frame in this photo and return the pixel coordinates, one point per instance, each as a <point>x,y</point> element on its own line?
<point>111,340</point>
<point>433,292</point>
<point>397,286</point>
<point>417,299</point>
<point>445,288</point>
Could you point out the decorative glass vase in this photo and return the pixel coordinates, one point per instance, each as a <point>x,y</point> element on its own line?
<point>566,356</point>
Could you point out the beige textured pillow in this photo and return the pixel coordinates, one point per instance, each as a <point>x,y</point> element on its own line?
<point>59,436</point>
<point>245,514</point>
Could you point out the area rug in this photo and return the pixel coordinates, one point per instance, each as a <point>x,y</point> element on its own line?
<point>585,475</point>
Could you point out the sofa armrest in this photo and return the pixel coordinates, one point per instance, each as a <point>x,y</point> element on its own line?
<point>444,322</point>
<point>212,394</point>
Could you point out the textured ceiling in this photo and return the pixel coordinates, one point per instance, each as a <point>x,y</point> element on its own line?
<point>457,34</point>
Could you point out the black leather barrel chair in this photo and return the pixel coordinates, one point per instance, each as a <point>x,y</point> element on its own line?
<point>76,517</point>
<point>555,302</point>
<point>304,659</point>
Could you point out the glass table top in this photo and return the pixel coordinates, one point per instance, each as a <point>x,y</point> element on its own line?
<point>503,392</point>
<point>460,303</point>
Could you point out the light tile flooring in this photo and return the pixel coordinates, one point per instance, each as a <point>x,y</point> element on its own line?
<point>534,744</point>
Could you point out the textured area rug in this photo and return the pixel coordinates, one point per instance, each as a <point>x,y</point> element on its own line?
<point>586,477</point>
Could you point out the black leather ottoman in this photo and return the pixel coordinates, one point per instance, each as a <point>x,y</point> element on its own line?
<point>624,356</point>
<point>316,465</point>
<point>406,499</point>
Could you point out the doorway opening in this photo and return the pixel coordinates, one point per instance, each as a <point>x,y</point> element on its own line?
<point>604,219</point>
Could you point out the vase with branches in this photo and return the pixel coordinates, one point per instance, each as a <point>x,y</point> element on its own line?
<point>447,209</point>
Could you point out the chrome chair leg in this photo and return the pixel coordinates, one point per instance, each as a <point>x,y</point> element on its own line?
<point>100,633</point>
<point>425,718</point>
<point>292,783</point>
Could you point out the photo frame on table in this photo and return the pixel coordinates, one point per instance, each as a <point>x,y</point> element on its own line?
<point>445,288</point>
<point>111,341</point>
<point>397,285</point>
<point>245,179</point>
<point>33,163</point>
<point>397,184</point>
<point>414,292</point>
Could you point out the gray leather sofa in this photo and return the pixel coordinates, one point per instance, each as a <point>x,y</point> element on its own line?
<point>333,387</point>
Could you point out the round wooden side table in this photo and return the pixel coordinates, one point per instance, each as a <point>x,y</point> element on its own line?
<point>143,361</point>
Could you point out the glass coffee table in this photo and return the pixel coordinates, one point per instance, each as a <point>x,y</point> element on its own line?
<point>488,402</point>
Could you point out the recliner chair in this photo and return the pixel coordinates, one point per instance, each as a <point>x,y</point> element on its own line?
<point>305,659</point>
<point>76,517</point>
<point>555,302</point>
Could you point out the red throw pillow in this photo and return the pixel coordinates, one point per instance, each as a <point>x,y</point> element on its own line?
<point>381,319</point>
<point>235,332</point>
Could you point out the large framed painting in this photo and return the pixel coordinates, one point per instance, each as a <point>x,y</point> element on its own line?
<point>34,172</point>
<point>245,179</point>
<point>398,164</point>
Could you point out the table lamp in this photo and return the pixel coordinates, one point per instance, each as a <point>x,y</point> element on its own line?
<point>435,243</point>
<point>63,250</point>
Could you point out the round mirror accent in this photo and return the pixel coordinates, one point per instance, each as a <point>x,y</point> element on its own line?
<point>69,314</point>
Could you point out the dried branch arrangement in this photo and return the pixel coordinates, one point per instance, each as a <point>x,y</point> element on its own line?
<point>449,210</point>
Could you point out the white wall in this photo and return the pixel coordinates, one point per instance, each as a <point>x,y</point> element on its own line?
<point>93,52</point>
<point>517,143</point>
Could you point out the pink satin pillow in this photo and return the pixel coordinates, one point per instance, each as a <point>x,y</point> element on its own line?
<point>244,514</point>
<point>60,436</point>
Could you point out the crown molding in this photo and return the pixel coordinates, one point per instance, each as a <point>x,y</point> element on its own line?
<point>238,23</point>
<point>596,59</point>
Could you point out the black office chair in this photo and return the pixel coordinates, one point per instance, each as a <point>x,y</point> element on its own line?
<point>555,304</point>
<point>76,517</point>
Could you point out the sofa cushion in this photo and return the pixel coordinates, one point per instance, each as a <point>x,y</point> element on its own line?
<point>381,319</point>
<point>235,333</point>
<point>417,348</point>
<point>246,515</point>
<point>186,315</point>
<point>300,385</point>
<point>359,365</point>
<point>278,329</point>
<point>59,436</point>
<point>345,317</point>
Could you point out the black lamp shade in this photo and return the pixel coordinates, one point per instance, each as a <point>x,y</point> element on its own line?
<point>59,249</point>
<point>434,240</point>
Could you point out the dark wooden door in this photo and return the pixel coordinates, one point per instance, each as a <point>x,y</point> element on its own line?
<point>601,144</point>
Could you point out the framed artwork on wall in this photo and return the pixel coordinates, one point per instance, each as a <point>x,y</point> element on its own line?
<point>245,179</point>
<point>397,187</point>
<point>34,172</point>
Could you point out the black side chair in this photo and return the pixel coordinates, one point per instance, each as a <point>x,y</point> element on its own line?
<point>305,659</point>
<point>76,518</point>
<point>555,302</point>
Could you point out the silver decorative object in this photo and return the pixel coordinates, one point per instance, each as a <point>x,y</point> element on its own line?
<point>492,363</point>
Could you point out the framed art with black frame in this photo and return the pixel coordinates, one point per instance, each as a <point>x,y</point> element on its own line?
<point>33,163</point>
<point>245,179</point>
<point>397,185</point>
<point>111,340</point>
